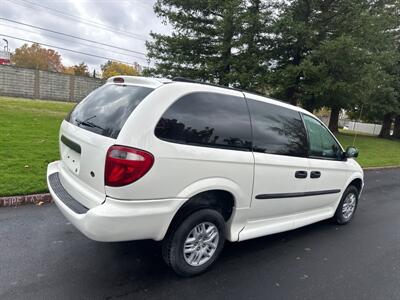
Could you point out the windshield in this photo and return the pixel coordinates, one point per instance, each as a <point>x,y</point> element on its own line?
<point>105,110</point>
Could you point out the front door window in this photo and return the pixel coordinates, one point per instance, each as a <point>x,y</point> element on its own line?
<point>322,143</point>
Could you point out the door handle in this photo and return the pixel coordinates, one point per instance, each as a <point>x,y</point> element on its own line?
<point>300,174</point>
<point>315,174</point>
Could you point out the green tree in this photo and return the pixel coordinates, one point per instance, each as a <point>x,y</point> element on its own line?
<point>216,41</point>
<point>201,42</point>
<point>293,39</point>
<point>251,67</point>
<point>384,104</point>
<point>331,53</point>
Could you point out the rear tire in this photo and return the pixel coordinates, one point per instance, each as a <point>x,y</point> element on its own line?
<point>192,246</point>
<point>347,206</point>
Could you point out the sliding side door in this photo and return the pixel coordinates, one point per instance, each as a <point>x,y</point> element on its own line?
<point>281,167</point>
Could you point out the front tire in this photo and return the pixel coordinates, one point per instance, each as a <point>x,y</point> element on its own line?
<point>194,245</point>
<point>347,206</point>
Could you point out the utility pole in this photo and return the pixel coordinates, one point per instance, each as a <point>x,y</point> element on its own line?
<point>6,46</point>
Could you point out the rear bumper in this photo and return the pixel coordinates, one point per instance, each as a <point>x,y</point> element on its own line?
<point>114,220</point>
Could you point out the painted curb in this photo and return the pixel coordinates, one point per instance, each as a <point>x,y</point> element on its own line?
<point>13,201</point>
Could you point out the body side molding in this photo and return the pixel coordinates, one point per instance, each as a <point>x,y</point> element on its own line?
<point>294,195</point>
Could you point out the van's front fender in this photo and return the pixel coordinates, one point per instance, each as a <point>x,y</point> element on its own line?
<point>355,175</point>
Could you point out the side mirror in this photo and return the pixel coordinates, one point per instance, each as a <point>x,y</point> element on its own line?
<point>351,152</point>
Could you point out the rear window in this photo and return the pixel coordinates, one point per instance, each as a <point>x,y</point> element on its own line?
<point>106,109</point>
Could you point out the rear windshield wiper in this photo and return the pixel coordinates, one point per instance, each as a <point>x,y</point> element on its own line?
<point>91,124</point>
<point>87,123</point>
<point>84,121</point>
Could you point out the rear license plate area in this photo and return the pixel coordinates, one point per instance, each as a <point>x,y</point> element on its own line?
<point>70,154</point>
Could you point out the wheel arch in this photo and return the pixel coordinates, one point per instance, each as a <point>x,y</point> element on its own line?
<point>219,199</point>
<point>357,180</point>
<point>214,183</point>
<point>358,183</point>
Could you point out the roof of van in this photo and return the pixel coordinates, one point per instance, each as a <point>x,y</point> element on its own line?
<point>154,82</point>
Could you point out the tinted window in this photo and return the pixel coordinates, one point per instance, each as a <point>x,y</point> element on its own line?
<point>322,143</point>
<point>207,119</point>
<point>106,109</point>
<point>277,130</point>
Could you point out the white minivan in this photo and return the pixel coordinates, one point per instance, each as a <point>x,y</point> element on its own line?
<point>195,164</point>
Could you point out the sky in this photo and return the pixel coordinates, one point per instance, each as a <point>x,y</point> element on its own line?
<point>122,23</point>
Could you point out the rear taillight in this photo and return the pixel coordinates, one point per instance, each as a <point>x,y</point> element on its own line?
<point>125,165</point>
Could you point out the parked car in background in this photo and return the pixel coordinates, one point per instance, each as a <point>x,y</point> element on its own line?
<point>194,165</point>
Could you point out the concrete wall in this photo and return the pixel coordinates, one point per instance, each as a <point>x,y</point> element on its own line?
<point>28,83</point>
<point>17,82</point>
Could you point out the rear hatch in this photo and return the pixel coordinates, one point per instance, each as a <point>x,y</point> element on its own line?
<point>87,133</point>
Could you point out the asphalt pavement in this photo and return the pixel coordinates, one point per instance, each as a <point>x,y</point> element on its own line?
<point>42,256</point>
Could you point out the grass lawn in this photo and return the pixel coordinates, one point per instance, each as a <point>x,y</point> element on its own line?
<point>374,152</point>
<point>28,142</point>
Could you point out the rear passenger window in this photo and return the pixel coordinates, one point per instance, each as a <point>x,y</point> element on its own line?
<point>277,130</point>
<point>207,119</point>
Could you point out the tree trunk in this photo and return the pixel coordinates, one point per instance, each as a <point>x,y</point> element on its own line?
<point>386,125</point>
<point>334,119</point>
<point>396,130</point>
<point>290,96</point>
<point>310,105</point>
